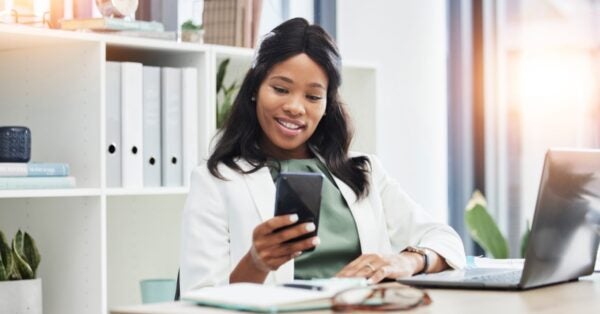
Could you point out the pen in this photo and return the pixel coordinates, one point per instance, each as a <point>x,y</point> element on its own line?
<point>303,286</point>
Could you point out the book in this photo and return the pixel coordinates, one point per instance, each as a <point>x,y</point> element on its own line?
<point>297,295</point>
<point>108,23</point>
<point>25,183</point>
<point>151,126</point>
<point>132,162</point>
<point>113,124</point>
<point>162,35</point>
<point>260,298</point>
<point>33,169</point>
<point>189,112</point>
<point>171,129</point>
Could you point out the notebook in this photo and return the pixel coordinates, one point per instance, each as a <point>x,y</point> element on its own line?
<point>563,241</point>
<point>298,295</point>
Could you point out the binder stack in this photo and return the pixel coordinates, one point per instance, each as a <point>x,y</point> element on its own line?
<point>151,125</point>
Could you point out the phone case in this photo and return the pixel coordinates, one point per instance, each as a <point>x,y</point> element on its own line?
<point>299,193</point>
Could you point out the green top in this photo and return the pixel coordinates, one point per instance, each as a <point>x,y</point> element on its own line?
<point>337,229</point>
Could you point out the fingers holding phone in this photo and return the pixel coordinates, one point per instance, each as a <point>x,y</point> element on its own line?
<point>271,245</point>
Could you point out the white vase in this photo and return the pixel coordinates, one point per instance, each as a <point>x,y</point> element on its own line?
<point>21,296</point>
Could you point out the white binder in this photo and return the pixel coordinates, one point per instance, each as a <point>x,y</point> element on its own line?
<point>171,127</point>
<point>189,105</point>
<point>151,129</point>
<point>132,126</point>
<point>113,124</point>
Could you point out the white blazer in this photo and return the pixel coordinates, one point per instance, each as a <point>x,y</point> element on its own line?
<point>219,218</point>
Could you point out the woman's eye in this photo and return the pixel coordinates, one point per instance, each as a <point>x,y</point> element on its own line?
<point>314,98</point>
<point>280,90</point>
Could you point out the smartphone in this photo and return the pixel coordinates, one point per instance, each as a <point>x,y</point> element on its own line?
<point>299,193</point>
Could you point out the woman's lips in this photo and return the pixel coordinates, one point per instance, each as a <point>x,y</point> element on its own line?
<point>289,127</point>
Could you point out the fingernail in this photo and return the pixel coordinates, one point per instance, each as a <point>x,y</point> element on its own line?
<point>294,218</point>
<point>310,227</point>
<point>316,241</point>
<point>369,281</point>
<point>297,254</point>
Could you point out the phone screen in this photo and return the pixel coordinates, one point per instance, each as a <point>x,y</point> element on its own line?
<point>299,193</point>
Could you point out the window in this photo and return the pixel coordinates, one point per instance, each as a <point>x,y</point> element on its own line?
<point>542,73</point>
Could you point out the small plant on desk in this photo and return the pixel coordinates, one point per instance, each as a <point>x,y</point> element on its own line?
<point>20,292</point>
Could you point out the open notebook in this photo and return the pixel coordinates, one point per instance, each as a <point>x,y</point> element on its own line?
<point>269,299</point>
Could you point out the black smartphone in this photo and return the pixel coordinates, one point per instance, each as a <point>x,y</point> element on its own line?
<point>299,193</point>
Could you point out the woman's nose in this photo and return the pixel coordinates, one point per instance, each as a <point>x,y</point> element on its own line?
<point>294,106</point>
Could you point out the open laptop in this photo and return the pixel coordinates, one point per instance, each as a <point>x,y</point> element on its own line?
<point>563,241</point>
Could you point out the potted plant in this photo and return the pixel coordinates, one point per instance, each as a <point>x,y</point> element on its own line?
<point>485,232</point>
<point>191,32</point>
<point>20,291</point>
<point>225,99</point>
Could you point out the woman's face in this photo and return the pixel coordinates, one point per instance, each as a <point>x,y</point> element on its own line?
<point>289,105</point>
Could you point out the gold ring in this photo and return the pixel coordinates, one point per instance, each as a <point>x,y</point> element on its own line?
<point>370,267</point>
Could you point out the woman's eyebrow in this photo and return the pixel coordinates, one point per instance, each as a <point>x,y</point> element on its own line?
<point>289,80</point>
<point>283,78</point>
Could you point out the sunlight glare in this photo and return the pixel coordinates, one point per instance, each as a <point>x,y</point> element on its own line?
<point>555,80</point>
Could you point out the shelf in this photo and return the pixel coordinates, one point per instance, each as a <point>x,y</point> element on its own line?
<point>97,243</point>
<point>6,194</point>
<point>147,191</point>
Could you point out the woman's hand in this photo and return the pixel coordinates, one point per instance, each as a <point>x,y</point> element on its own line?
<point>269,252</point>
<point>376,267</point>
<point>268,249</point>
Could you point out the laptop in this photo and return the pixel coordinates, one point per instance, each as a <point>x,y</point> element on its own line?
<point>563,241</point>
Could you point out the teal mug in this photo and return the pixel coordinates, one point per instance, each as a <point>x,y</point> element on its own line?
<point>157,290</point>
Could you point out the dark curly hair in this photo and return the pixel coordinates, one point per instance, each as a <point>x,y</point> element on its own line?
<point>240,136</point>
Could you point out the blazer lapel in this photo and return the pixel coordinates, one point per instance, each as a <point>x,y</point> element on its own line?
<point>262,189</point>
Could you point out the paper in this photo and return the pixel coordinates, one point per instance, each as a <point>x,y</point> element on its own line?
<point>484,262</point>
<point>259,297</point>
<point>268,298</point>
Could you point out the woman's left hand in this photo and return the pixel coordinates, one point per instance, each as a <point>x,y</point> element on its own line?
<point>376,267</point>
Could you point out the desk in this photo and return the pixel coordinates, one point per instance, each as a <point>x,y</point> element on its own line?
<point>582,296</point>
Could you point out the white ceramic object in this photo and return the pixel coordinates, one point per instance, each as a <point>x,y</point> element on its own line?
<point>21,296</point>
<point>117,8</point>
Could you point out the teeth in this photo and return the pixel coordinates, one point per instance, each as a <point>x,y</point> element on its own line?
<point>289,125</point>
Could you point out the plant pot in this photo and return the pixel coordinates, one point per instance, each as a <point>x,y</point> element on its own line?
<point>193,36</point>
<point>21,296</point>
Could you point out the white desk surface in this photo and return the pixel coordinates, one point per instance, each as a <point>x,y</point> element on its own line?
<point>582,296</point>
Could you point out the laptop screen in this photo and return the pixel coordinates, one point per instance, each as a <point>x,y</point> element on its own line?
<point>563,243</point>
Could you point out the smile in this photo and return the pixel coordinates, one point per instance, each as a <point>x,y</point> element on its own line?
<point>290,125</point>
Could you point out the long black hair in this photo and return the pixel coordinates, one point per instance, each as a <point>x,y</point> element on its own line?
<point>241,133</point>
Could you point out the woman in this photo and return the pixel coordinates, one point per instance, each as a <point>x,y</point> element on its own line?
<point>288,117</point>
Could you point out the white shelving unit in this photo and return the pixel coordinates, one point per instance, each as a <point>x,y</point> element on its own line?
<point>97,243</point>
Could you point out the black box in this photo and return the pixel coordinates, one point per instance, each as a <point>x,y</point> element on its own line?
<point>15,144</point>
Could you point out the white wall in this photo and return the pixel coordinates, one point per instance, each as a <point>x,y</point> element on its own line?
<point>407,38</point>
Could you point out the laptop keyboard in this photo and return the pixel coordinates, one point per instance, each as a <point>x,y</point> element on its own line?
<point>493,276</point>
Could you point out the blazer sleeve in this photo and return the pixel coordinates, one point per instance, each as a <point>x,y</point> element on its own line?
<point>205,247</point>
<point>409,224</point>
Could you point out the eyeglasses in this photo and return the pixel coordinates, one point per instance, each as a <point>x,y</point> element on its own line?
<point>382,297</point>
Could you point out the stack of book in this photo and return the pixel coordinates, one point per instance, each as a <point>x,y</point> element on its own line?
<point>33,175</point>
<point>118,26</point>
<point>231,22</point>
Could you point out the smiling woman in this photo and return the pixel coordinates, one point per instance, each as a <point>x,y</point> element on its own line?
<point>289,106</point>
<point>288,117</point>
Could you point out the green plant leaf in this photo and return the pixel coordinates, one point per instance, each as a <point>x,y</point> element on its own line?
<point>24,270</point>
<point>221,74</point>
<point>190,26</point>
<point>482,227</point>
<point>6,258</point>
<point>525,239</point>
<point>31,253</point>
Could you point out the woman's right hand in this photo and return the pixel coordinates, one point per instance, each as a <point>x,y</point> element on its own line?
<point>269,252</point>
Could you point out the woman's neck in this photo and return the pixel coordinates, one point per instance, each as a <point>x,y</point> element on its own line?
<point>272,151</point>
